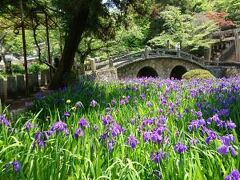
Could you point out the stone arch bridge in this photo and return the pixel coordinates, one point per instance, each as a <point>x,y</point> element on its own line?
<point>163,63</point>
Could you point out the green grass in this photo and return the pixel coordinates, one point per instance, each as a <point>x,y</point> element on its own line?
<point>66,157</point>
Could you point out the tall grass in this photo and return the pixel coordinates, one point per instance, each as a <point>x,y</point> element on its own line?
<point>137,106</point>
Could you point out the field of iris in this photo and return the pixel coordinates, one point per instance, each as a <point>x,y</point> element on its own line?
<point>132,129</point>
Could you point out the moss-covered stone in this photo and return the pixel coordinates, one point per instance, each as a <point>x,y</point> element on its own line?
<point>198,74</point>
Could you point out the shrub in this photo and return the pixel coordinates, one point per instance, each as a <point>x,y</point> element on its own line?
<point>36,68</point>
<point>198,74</point>
<point>18,69</point>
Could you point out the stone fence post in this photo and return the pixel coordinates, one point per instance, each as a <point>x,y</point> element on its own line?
<point>3,92</point>
<point>178,53</point>
<point>146,52</point>
<point>93,64</point>
<point>33,82</point>
<point>11,87</point>
<point>21,85</point>
<point>191,57</point>
<point>110,63</point>
<point>43,78</point>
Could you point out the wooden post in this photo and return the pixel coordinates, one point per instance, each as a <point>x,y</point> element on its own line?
<point>24,46</point>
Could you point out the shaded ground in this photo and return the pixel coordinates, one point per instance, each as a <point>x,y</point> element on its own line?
<point>21,104</point>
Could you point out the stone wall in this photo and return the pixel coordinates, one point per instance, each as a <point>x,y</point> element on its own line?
<point>101,75</point>
<point>162,66</point>
<point>217,71</point>
<point>232,72</point>
<point>14,86</point>
<point>106,74</point>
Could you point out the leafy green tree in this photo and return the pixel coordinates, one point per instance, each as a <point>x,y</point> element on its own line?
<point>188,6</point>
<point>94,16</point>
<point>185,28</point>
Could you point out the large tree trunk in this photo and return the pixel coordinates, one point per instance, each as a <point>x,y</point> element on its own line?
<point>76,29</point>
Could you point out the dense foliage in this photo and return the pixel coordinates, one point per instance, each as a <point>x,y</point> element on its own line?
<point>111,27</point>
<point>192,32</point>
<point>135,129</point>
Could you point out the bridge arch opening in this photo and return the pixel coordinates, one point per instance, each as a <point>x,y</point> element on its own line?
<point>147,72</point>
<point>177,72</point>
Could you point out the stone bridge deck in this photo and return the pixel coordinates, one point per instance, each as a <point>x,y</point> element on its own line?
<point>163,63</point>
<point>150,54</point>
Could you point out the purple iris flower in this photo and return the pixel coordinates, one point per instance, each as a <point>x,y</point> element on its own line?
<point>196,124</point>
<point>123,102</point>
<point>193,93</point>
<point>149,104</point>
<point>218,122</point>
<point>103,137</point>
<point>234,175</point>
<point>132,141</point>
<point>226,140</point>
<point>79,132</point>
<point>41,138</point>
<point>60,127</point>
<point>199,114</point>
<point>147,136</point>
<point>224,150</point>
<point>107,120</point>
<point>110,145</point>
<point>147,122</point>
<point>162,119</point>
<point>93,103</point>
<point>223,112</point>
<point>16,166</point>
<point>160,130</point>
<point>230,125</point>
<point>116,130</point>
<point>133,121</point>
<point>83,123</point>
<point>163,100</point>
<point>180,148</point>
<point>211,136</point>
<point>4,121</point>
<point>143,96</point>
<point>156,138</point>
<point>28,126</point>
<point>158,156</point>
<point>160,110</point>
<point>66,114</point>
<point>233,151</point>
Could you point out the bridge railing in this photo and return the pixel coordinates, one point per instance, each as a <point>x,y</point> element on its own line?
<point>176,54</point>
<point>152,53</point>
<point>130,56</point>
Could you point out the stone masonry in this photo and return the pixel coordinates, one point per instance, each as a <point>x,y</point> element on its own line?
<point>163,67</point>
